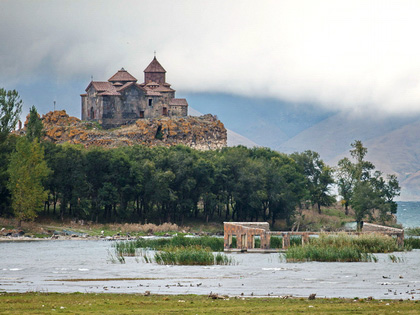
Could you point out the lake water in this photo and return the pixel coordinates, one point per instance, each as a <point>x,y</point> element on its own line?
<point>408,213</point>
<point>44,266</point>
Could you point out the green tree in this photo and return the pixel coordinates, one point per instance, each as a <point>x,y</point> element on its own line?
<point>319,178</point>
<point>27,171</point>
<point>10,109</point>
<point>346,178</point>
<point>6,149</point>
<point>67,183</point>
<point>367,190</point>
<point>285,187</point>
<point>34,128</point>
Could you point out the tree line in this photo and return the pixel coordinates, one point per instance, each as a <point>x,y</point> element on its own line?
<point>173,184</point>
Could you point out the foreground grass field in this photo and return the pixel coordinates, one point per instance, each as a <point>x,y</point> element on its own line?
<point>78,303</point>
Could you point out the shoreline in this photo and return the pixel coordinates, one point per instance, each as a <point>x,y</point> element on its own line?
<point>6,239</point>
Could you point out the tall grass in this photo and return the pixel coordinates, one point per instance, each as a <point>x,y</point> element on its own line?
<point>412,243</point>
<point>413,231</point>
<point>343,248</point>
<point>216,244</point>
<point>128,248</point>
<point>190,255</point>
<point>366,243</point>
<point>316,253</point>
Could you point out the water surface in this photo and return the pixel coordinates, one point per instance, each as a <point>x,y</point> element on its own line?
<point>44,266</point>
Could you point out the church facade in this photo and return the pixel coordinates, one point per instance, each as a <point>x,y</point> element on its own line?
<point>121,100</point>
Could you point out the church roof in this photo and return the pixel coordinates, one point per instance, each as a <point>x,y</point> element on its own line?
<point>101,86</point>
<point>154,66</point>
<point>153,93</point>
<point>178,102</point>
<point>122,76</point>
<point>109,93</point>
<point>126,85</point>
<point>162,88</point>
<point>152,83</point>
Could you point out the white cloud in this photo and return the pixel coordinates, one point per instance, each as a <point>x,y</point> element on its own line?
<point>348,54</point>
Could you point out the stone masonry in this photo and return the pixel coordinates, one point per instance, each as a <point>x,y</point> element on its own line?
<point>121,100</point>
<point>245,233</point>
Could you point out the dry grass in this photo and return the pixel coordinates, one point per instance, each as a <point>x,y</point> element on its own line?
<point>46,226</point>
<point>331,219</point>
<point>11,224</point>
<point>146,228</point>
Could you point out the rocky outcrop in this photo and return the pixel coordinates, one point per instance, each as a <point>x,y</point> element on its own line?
<point>202,133</point>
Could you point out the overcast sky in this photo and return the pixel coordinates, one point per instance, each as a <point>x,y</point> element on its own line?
<point>338,54</point>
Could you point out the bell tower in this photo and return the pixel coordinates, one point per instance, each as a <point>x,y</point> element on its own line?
<point>155,73</point>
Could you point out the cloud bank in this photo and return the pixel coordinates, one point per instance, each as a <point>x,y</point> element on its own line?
<point>351,55</point>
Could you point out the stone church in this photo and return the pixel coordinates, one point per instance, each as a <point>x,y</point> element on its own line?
<point>121,100</point>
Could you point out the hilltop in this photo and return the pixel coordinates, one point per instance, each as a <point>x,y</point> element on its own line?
<point>203,133</point>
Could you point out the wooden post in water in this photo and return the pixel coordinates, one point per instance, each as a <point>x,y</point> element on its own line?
<point>305,239</point>
<point>400,239</point>
<point>286,240</point>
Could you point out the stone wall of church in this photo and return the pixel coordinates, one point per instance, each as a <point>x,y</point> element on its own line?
<point>177,111</point>
<point>154,77</point>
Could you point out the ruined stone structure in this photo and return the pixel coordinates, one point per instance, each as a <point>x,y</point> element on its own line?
<point>246,232</point>
<point>121,100</point>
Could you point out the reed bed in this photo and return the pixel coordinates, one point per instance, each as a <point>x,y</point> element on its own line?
<point>412,243</point>
<point>343,248</point>
<point>191,255</point>
<point>128,248</point>
<point>367,243</point>
<point>216,244</point>
<point>415,231</point>
<point>316,253</point>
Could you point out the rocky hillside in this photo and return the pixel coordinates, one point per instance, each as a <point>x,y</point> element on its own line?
<point>202,133</point>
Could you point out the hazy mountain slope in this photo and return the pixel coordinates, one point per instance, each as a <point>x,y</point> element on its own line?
<point>333,135</point>
<point>265,121</point>
<point>234,139</point>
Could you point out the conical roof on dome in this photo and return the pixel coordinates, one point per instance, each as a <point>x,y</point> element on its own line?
<point>155,66</point>
<point>122,76</point>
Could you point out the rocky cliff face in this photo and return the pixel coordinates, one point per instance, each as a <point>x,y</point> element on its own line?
<point>202,133</point>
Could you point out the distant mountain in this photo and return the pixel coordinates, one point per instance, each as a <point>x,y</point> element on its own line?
<point>234,139</point>
<point>267,122</point>
<point>333,135</point>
